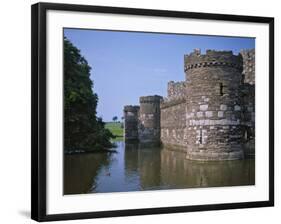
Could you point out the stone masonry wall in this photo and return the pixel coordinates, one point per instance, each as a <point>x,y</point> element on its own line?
<point>173,116</point>
<point>131,121</point>
<point>149,119</point>
<point>173,124</point>
<point>248,90</point>
<point>213,116</point>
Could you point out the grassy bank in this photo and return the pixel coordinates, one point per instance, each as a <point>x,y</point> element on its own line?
<point>116,129</point>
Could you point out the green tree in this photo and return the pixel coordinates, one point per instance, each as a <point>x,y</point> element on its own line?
<point>115,118</point>
<point>82,128</point>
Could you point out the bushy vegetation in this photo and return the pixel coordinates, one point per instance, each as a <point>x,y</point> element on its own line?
<point>83,130</point>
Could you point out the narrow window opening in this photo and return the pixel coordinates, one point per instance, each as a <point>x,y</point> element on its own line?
<point>200,137</point>
<point>221,89</point>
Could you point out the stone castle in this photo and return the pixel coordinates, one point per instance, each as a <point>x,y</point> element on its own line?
<point>209,116</point>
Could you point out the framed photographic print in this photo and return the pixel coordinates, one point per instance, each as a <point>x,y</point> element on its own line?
<point>139,111</point>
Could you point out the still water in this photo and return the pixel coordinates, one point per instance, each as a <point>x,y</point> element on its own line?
<point>134,168</point>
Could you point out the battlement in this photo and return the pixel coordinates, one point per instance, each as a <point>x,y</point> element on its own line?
<point>131,108</point>
<point>176,89</point>
<point>212,58</point>
<point>250,53</point>
<point>151,99</point>
<point>248,65</point>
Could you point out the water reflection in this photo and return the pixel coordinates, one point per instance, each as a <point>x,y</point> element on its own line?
<point>136,167</point>
<point>80,171</point>
<point>144,162</point>
<point>180,173</point>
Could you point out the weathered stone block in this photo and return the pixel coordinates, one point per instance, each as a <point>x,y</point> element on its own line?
<point>199,114</point>
<point>204,107</point>
<point>206,99</point>
<point>223,107</point>
<point>209,113</point>
<point>237,108</point>
<point>220,113</point>
<point>250,109</point>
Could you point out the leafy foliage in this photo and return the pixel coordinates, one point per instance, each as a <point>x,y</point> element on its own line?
<point>83,130</point>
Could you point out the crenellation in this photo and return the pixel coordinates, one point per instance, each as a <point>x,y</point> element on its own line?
<point>176,90</point>
<point>248,66</point>
<point>212,59</point>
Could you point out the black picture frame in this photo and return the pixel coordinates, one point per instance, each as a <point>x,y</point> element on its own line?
<point>38,108</point>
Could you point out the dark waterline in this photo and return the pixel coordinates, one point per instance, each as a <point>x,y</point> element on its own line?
<point>135,168</point>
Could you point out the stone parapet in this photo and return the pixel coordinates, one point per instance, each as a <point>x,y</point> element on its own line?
<point>151,99</point>
<point>212,58</point>
<point>248,66</point>
<point>131,108</point>
<point>176,89</point>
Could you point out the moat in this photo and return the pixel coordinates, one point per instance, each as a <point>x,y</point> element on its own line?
<point>136,168</point>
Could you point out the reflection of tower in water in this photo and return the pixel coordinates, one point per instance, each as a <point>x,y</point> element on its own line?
<point>131,158</point>
<point>146,162</point>
<point>181,173</point>
<point>158,168</point>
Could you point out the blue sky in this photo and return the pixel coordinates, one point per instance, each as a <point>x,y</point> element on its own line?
<point>127,65</point>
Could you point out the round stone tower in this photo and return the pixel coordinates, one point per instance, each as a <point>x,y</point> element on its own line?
<point>149,119</point>
<point>213,109</point>
<point>131,114</point>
